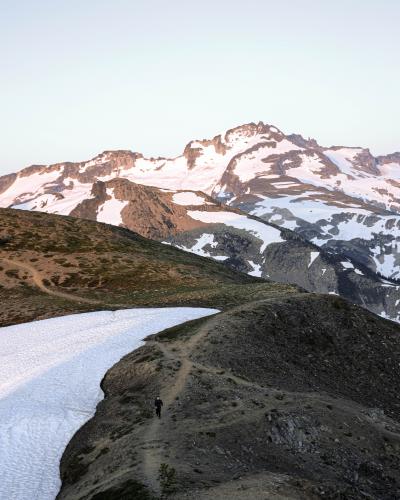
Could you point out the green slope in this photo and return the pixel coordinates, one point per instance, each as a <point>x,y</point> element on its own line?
<point>86,266</point>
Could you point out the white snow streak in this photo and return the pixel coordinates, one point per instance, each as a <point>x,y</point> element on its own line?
<point>313,256</point>
<point>347,265</point>
<point>265,233</point>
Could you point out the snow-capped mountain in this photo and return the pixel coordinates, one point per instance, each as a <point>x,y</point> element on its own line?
<point>343,200</point>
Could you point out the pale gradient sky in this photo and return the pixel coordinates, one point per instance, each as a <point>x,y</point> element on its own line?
<point>79,77</point>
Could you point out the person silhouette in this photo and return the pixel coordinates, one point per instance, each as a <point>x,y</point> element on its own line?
<point>158,404</point>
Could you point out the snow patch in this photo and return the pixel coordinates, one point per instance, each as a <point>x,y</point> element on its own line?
<point>301,207</point>
<point>265,233</point>
<point>249,164</point>
<point>342,159</point>
<point>313,256</point>
<point>256,269</point>
<point>110,211</point>
<point>25,188</point>
<point>188,198</point>
<point>347,265</point>
<point>50,376</point>
<point>385,263</point>
<point>198,248</point>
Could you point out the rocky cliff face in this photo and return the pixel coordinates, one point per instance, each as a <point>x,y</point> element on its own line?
<point>145,210</point>
<point>343,200</point>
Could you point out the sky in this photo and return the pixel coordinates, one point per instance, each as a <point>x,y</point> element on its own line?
<point>81,77</point>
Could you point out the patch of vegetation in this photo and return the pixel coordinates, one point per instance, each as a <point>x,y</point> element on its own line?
<point>127,491</point>
<point>126,400</point>
<point>12,273</point>
<point>76,469</point>
<point>119,432</point>
<point>167,478</point>
<point>87,449</point>
<point>103,451</point>
<point>61,261</point>
<point>339,303</point>
<point>4,241</point>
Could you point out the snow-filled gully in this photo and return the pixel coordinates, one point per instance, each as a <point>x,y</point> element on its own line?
<point>50,374</point>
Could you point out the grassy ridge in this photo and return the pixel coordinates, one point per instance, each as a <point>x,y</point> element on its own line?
<point>112,265</point>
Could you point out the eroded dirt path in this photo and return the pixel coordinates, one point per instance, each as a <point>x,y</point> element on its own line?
<point>153,439</point>
<point>38,281</point>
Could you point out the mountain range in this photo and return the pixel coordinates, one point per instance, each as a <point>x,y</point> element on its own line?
<point>273,205</point>
<point>282,394</point>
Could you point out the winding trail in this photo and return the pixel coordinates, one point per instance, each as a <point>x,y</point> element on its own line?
<point>153,439</point>
<point>38,281</point>
<point>155,444</point>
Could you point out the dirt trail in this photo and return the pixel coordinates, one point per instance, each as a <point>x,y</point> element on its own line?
<point>38,281</point>
<point>153,441</point>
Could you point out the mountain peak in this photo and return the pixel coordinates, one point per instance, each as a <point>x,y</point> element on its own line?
<point>250,130</point>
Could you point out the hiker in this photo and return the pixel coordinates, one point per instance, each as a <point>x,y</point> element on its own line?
<point>158,403</point>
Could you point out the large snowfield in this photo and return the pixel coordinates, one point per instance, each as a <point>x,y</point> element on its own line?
<point>50,376</point>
